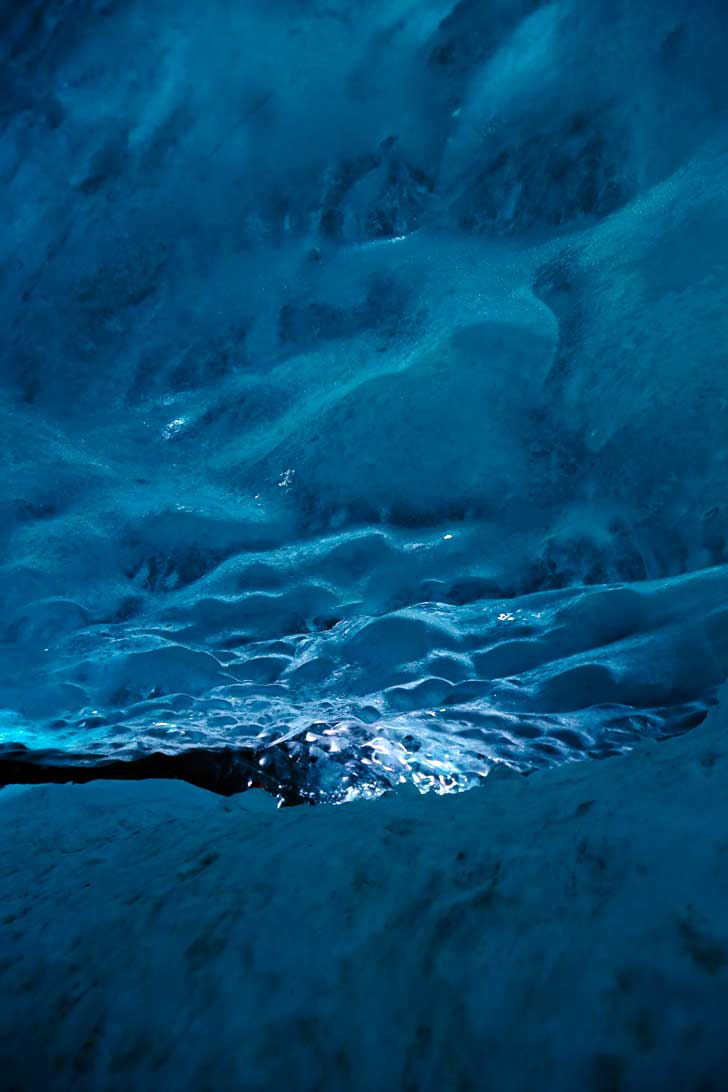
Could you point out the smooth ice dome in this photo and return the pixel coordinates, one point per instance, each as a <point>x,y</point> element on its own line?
<point>363,389</point>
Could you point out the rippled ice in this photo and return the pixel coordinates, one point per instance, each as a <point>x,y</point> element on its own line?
<point>363,390</point>
<point>315,692</point>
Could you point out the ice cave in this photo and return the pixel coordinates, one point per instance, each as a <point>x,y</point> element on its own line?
<point>364,546</point>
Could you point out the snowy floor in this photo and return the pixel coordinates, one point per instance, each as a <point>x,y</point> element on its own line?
<point>565,931</point>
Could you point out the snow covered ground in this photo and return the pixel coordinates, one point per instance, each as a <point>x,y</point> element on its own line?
<point>563,931</point>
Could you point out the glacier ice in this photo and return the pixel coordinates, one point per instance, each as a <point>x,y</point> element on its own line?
<point>363,388</point>
<point>565,932</point>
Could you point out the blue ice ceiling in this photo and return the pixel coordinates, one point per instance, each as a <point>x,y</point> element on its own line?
<point>364,383</point>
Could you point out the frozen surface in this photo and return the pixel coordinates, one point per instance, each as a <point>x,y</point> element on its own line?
<point>363,384</point>
<point>565,932</point>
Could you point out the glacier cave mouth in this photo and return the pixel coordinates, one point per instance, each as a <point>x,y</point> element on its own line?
<point>363,388</point>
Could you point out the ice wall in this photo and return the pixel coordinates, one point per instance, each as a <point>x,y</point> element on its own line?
<point>317,312</point>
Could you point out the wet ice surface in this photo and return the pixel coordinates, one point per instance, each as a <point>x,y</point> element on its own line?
<point>365,423</point>
<point>318,698</point>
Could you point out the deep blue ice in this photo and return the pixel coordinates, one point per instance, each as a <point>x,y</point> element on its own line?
<point>364,383</point>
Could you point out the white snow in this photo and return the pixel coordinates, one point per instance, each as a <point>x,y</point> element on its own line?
<point>565,931</point>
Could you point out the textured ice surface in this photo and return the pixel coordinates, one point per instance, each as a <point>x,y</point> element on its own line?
<point>565,932</point>
<point>363,386</point>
